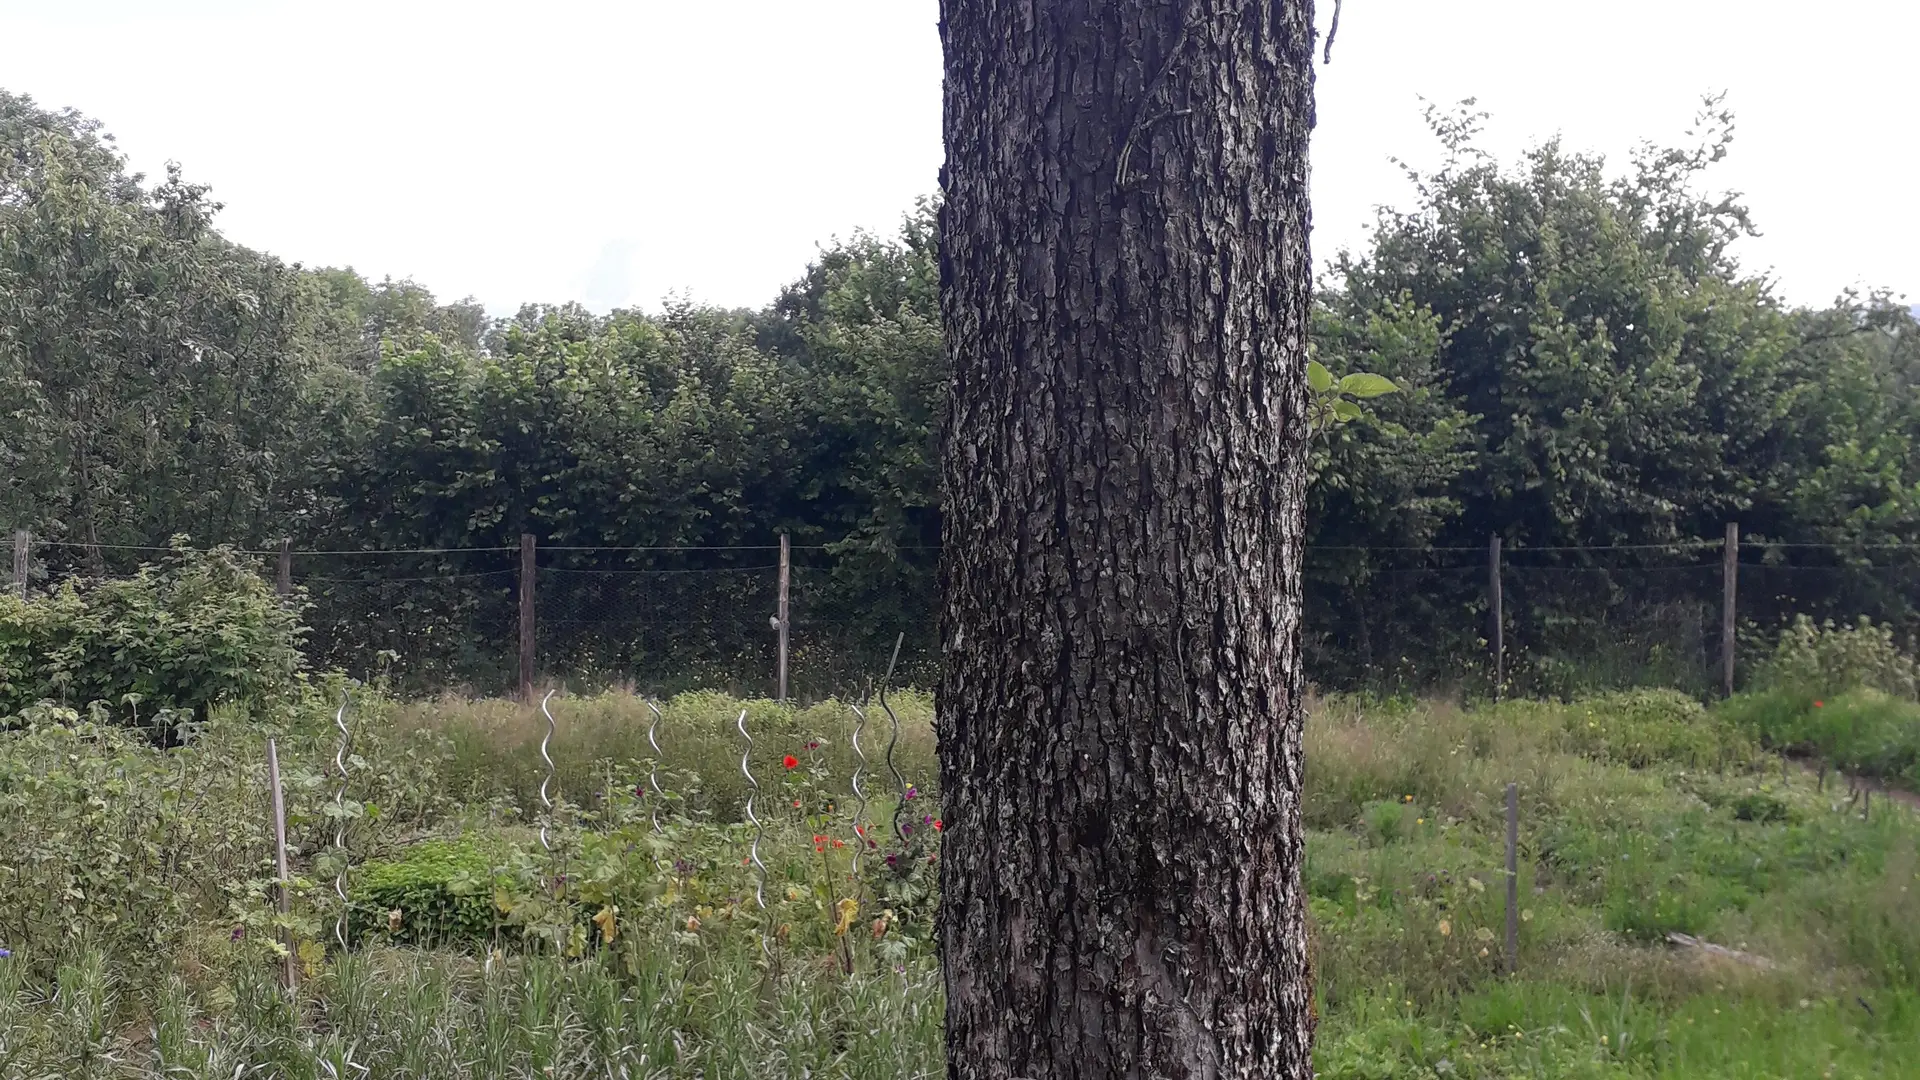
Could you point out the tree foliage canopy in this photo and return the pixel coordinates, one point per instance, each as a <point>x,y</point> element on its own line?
<point>1580,357</point>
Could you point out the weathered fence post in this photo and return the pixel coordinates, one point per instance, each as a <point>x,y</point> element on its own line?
<point>22,548</point>
<point>283,575</point>
<point>290,971</point>
<point>1513,878</point>
<point>1729,583</point>
<point>780,619</point>
<point>1497,641</point>
<point>529,567</point>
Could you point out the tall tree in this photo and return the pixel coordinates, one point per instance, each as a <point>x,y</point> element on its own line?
<point>1126,288</point>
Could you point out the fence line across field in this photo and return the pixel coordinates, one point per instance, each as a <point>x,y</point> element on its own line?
<point>805,623</point>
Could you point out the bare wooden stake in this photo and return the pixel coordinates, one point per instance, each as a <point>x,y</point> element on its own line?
<point>22,549</point>
<point>1729,586</point>
<point>283,577</point>
<point>290,970</point>
<point>1513,878</point>
<point>529,569</point>
<point>1498,629</point>
<point>780,619</point>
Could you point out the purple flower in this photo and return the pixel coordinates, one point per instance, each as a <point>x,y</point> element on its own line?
<point>906,830</point>
<point>682,866</point>
<point>893,860</point>
<point>239,932</point>
<point>5,953</point>
<point>912,792</point>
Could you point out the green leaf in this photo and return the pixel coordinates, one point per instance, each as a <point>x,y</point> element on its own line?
<point>1344,411</point>
<point>1363,384</point>
<point>1319,379</point>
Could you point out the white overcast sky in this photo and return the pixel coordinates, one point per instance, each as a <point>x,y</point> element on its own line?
<point>614,152</point>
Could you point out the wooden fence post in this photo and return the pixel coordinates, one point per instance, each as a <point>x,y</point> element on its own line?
<point>529,568</point>
<point>1729,585</point>
<point>780,619</point>
<point>1513,878</point>
<point>283,576</point>
<point>22,548</point>
<point>290,971</point>
<point>1498,641</point>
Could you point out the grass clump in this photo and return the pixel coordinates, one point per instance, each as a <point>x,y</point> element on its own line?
<point>1843,694</point>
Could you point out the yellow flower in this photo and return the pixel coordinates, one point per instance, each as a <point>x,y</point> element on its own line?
<point>1446,928</point>
<point>848,908</point>
<point>605,920</point>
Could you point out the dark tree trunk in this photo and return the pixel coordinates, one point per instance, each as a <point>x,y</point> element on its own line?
<point>1125,286</point>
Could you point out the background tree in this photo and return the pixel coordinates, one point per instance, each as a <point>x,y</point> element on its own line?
<point>1126,289</point>
<point>1581,360</point>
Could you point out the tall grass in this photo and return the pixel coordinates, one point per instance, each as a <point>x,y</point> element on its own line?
<point>1641,814</point>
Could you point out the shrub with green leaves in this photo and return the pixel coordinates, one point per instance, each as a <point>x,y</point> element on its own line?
<point>436,893</point>
<point>199,628</point>
<point>1829,658</point>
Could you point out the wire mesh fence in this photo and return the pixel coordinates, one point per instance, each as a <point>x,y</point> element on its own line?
<point>424,621</point>
<point>1385,619</point>
<point>660,621</point>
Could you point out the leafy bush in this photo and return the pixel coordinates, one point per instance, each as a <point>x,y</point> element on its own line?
<point>174,639</point>
<point>1826,658</point>
<point>439,892</point>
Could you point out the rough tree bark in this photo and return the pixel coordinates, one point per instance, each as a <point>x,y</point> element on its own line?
<point>1125,283</point>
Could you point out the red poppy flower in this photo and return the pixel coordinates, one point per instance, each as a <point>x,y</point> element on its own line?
<point>790,761</point>
<point>1819,704</point>
<point>938,825</point>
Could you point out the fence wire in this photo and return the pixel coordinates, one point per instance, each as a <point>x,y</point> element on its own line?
<point>1381,619</point>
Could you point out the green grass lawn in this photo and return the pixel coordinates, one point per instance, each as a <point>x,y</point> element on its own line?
<point>135,898</point>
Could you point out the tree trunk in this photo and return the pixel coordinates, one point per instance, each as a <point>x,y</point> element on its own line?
<point>1125,283</point>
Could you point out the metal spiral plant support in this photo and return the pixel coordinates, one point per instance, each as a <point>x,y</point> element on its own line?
<point>859,793</point>
<point>653,764</point>
<point>340,816</point>
<point>546,801</point>
<point>899,782</point>
<point>759,830</point>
